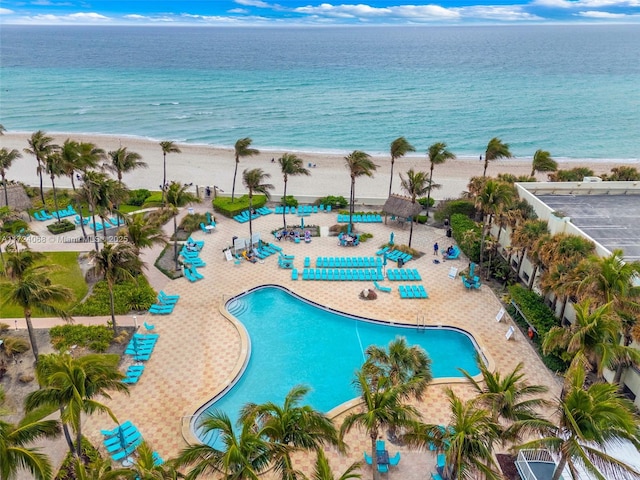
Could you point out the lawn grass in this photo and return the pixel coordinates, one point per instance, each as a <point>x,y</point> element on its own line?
<point>67,272</point>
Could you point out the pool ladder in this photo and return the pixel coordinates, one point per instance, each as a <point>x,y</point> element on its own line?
<point>421,322</point>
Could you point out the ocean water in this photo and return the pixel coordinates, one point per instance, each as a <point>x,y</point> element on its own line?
<point>572,90</point>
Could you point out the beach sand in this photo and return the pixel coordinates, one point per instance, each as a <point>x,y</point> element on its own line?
<point>203,166</point>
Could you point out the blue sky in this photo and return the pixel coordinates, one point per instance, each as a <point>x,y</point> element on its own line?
<point>308,12</point>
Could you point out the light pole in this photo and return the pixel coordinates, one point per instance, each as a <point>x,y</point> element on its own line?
<point>216,189</point>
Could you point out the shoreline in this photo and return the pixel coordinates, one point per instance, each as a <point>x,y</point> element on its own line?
<point>206,165</point>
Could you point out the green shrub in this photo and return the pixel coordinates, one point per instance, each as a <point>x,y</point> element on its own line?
<point>96,337</point>
<point>3,328</point>
<point>138,197</point>
<point>90,454</point>
<point>423,201</point>
<point>289,201</point>
<point>153,200</point>
<point>128,296</point>
<point>15,345</point>
<point>191,223</point>
<point>448,208</point>
<point>365,236</point>
<point>62,226</point>
<point>335,202</point>
<point>160,216</point>
<point>467,234</point>
<point>422,219</point>
<point>226,207</point>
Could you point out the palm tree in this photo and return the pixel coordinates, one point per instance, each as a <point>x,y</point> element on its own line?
<point>146,467</point>
<point>242,149</point>
<point>359,163</point>
<point>177,197</point>
<point>54,166</point>
<point>496,149</point>
<point>7,157</point>
<point>542,162</point>
<point>35,290</point>
<point>123,161</point>
<point>401,363</point>
<point>291,427</point>
<point>291,165</point>
<point>437,155</point>
<point>167,147</point>
<point>15,455</point>
<point>72,384</point>
<point>90,193</point>
<point>383,407</point>
<point>592,339</point>
<point>322,469</point>
<point>20,261</point>
<point>116,263</point>
<point>586,422</point>
<point>491,199</point>
<point>526,235</point>
<point>2,130</point>
<point>509,398</point>
<point>142,233</point>
<point>399,148</point>
<point>80,157</point>
<point>415,185</point>
<point>40,146</point>
<point>253,181</point>
<point>244,454</point>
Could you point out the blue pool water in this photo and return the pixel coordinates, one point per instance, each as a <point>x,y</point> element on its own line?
<point>297,342</point>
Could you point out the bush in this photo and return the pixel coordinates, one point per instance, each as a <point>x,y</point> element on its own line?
<point>448,208</point>
<point>15,345</point>
<point>467,234</point>
<point>160,216</point>
<point>95,337</point>
<point>289,201</point>
<point>89,454</point>
<point>153,200</point>
<point>62,226</point>
<point>365,236</point>
<point>335,202</point>
<point>138,197</point>
<point>191,223</point>
<point>128,296</point>
<point>3,328</point>
<point>423,201</point>
<point>226,207</point>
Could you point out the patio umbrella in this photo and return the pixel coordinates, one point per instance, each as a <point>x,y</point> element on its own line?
<point>391,238</point>
<point>301,222</point>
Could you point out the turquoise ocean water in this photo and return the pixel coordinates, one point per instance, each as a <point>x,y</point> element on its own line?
<point>572,90</point>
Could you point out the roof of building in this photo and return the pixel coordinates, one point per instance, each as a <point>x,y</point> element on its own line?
<point>401,206</point>
<point>611,220</point>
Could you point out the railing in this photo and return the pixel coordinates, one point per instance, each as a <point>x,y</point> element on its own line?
<point>526,456</point>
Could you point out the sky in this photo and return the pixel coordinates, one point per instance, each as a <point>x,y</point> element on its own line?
<point>308,12</point>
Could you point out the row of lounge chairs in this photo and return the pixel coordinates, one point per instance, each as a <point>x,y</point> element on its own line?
<point>122,441</point>
<point>348,262</point>
<point>302,209</point>
<point>165,305</point>
<point>141,346</point>
<point>412,291</point>
<point>133,374</point>
<point>192,274</point>
<point>111,222</point>
<point>368,218</point>
<point>403,274</point>
<point>396,255</point>
<point>286,261</point>
<point>343,274</point>
<point>244,216</point>
<point>43,215</point>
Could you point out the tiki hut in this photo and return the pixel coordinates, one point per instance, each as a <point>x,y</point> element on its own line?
<point>401,207</point>
<point>18,198</point>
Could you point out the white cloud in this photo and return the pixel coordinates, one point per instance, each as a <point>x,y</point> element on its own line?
<point>70,19</point>
<point>605,15</point>
<point>367,12</point>
<point>5,11</point>
<point>135,16</point>
<point>253,3</point>
<point>509,13</point>
<point>586,3</point>
<point>87,16</point>
<point>238,10</point>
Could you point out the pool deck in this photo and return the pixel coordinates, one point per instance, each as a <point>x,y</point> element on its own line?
<point>199,349</point>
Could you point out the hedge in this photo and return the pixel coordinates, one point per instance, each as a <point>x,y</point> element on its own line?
<point>96,337</point>
<point>461,225</point>
<point>335,202</point>
<point>226,207</point>
<point>61,227</point>
<point>128,296</point>
<point>450,207</point>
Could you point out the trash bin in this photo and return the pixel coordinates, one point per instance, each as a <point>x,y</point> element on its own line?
<point>400,262</point>
<point>449,232</point>
<point>446,222</point>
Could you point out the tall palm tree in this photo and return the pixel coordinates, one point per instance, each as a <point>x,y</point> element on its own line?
<point>80,157</point>
<point>290,165</point>
<point>496,149</point>
<point>142,233</point>
<point>244,454</point>
<point>146,467</point>
<point>509,398</point>
<point>401,363</point>
<point>491,199</point>
<point>2,130</point>
<point>525,236</point>
<point>116,263</point>
<point>54,166</point>
<point>90,193</point>
<point>415,185</point>
<point>592,339</point>
<point>437,155</point>
<point>359,163</point>
<point>40,146</point>
<point>20,261</point>
<point>123,161</point>
<point>254,181</point>
<point>322,469</point>
<point>167,147</point>
<point>542,162</point>
<point>383,407</point>
<point>177,197</point>
<point>35,290</point>
<point>291,427</point>
<point>72,385</point>
<point>612,280</point>
<point>7,157</point>
<point>399,148</point>
<point>586,422</point>
<point>16,455</point>
<point>242,149</point>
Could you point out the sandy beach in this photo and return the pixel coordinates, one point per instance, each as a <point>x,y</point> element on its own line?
<point>203,166</point>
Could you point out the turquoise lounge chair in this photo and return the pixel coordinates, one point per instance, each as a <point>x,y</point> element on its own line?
<point>380,287</point>
<point>395,460</point>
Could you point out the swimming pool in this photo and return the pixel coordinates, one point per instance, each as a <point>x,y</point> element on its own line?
<point>294,341</point>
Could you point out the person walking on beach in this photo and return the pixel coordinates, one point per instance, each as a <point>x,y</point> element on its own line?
<point>435,248</point>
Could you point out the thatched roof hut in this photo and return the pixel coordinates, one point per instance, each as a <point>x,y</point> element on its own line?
<point>401,206</point>
<point>18,198</point>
